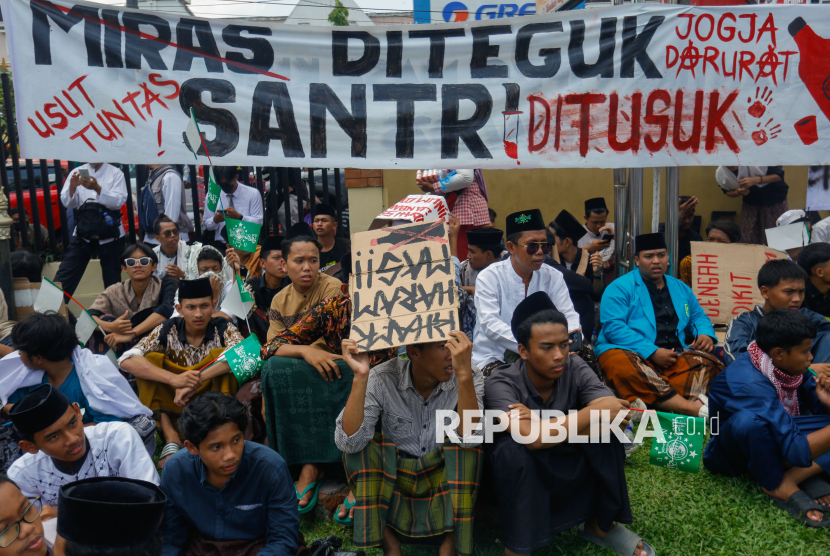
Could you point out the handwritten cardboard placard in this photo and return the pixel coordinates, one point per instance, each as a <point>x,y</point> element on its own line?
<point>417,208</point>
<point>403,286</point>
<point>725,277</point>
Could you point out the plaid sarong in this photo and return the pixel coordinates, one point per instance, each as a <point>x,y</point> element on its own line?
<point>301,409</point>
<point>418,498</point>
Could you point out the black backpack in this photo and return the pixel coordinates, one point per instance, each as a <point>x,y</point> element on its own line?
<point>95,222</point>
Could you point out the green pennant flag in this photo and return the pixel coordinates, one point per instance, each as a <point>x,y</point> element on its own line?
<point>683,446</point>
<point>244,359</point>
<point>243,235</point>
<point>244,294</point>
<point>212,196</point>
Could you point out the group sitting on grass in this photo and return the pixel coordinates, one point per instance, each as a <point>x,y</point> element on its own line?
<point>406,430</point>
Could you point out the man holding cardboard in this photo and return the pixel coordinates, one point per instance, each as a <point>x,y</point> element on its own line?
<point>642,346</point>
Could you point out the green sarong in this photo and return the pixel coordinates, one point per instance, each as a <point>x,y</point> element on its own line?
<point>418,498</point>
<point>301,409</point>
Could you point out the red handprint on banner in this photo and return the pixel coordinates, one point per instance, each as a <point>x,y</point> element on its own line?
<point>766,132</point>
<point>762,100</point>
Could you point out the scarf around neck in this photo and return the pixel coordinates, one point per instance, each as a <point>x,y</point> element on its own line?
<point>785,384</point>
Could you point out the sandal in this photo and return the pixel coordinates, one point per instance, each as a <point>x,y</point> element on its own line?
<point>169,449</point>
<point>816,487</point>
<point>345,521</point>
<point>619,539</point>
<point>798,505</point>
<point>311,503</point>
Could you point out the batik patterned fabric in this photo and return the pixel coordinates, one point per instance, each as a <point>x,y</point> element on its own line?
<point>633,377</point>
<point>418,498</point>
<point>330,320</point>
<point>178,350</point>
<point>289,306</point>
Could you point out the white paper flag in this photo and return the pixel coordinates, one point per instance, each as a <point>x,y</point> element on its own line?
<point>791,236</point>
<point>233,303</point>
<point>192,133</point>
<point>112,357</point>
<point>85,327</point>
<point>49,298</point>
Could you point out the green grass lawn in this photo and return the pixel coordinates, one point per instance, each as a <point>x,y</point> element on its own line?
<point>679,514</point>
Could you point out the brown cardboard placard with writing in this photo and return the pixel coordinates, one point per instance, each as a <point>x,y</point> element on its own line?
<point>403,287</point>
<point>725,277</point>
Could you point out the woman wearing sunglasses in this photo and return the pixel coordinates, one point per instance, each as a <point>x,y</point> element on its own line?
<point>128,310</point>
<point>21,528</point>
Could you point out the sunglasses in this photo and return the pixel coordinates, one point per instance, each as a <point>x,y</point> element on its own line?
<point>534,247</point>
<point>169,233</point>
<point>143,261</point>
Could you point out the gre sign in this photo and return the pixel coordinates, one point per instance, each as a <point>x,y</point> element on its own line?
<point>450,11</point>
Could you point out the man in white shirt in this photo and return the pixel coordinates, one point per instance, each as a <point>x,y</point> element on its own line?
<point>596,224</point>
<point>106,186</point>
<point>60,450</point>
<point>503,285</point>
<point>239,202</point>
<point>173,253</point>
<point>169,194</point>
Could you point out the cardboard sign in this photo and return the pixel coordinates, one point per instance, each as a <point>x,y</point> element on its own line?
<point>725,277</point>
<point>417,208</point>
<point>403,287</point>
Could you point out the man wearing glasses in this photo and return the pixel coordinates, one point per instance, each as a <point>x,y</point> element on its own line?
<point>21,528</point>
<point>172,250</point>
<point>128,310</point>
<point>503,285</point>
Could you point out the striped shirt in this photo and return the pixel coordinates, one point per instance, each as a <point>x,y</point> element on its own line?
<point>407,419</point>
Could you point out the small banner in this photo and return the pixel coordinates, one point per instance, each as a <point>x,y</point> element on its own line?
<point>238,301</point>
<point>194,136</point>
<point>683,448</point>
<point>403,286</point>
<point>212,196</point>
<point>243,235</point>
<point>85,327</point>
<point>245,360</point>
<point>417,208</point>
<point>725,277</point>
<point>49,298</point>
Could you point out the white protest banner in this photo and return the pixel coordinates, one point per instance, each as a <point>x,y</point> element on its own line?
<point>403,287</point>
<point>725,277</point>
<point>634,85</point>
<point>417,208</point>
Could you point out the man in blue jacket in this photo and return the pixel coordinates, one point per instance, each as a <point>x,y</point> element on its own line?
<point>782,284</point>
<point>642,347</point>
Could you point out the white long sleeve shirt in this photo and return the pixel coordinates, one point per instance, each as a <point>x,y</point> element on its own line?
<point>246,200</point>
<point>171,191</point>
<point>499,290</point>
<point>113,192</point>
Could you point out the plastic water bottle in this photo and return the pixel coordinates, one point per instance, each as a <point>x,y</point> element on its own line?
<point>108,219</point>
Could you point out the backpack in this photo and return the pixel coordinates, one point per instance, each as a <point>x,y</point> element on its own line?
<point>150,199</point>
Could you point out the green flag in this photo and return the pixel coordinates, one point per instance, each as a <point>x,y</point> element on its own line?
<point>243,235</point>
<point>683,446</point>
<point>212,196</point>
<point>238,301</point>
<point>244,359</point>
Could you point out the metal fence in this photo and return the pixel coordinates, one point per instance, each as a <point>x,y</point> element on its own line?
<point>38,184</point>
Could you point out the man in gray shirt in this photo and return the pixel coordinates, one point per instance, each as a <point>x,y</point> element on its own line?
<point>548,486</point>
<point>396,475</point>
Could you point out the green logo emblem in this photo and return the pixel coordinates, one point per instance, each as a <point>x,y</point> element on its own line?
<point>523,219</point>
<point>687,309</point>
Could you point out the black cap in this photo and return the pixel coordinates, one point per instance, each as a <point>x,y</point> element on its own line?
<point>300,229</point>
<point>271,243</point>
<point>525,221</point>
<point>195,289</point>
<point>324,209</point>
<point>484,236</point>
<point>571,226</point>
<point>39,409</point>
<point>109,511</point>
<point>530,305</point>
<point>595,203</point>
<point>649,242</point>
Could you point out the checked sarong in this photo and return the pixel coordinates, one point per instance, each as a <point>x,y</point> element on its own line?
<point>418,498</point>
